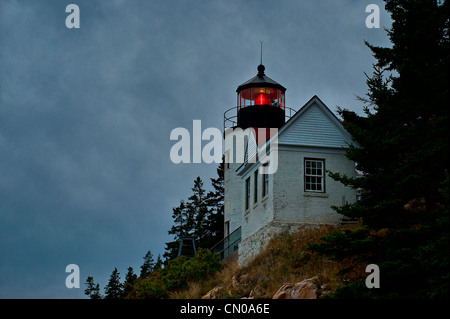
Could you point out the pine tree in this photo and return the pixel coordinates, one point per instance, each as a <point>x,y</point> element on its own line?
<point>92,290</point>
<point>148,264</point>
<point>114,288</point>
<point>401,145</point>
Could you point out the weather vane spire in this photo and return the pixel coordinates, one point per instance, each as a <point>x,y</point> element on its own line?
<point>261,51</point>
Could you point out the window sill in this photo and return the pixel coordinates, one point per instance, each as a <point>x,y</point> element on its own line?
<point>312,194</point>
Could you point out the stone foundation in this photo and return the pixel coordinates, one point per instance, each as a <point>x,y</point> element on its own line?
<point>255,243</point>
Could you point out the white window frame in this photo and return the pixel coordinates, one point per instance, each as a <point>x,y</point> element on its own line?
<point>314,175</point>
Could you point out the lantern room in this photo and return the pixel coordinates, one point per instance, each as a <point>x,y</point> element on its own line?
<point>261,96</point>
<point>260,102</point>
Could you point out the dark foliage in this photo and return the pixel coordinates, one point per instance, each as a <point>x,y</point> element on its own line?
<point>402,147</point>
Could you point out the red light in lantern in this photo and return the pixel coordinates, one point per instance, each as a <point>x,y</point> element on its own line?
<point>260,99</point>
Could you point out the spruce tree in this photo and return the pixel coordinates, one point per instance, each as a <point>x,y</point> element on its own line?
<point>198,210</point>
<point>92,290</point>
<point>201,216</point>
<point>180,228</point>
<point>215,202</point>
<point>147,266</point>
<point>401,145</point>
<point>114,288</point>
<point>159,263</point>
<point>128,285</point>
<point>189,220</point>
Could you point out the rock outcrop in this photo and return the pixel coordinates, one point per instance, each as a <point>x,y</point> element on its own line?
<point>305,289</point>
<point>214,293</point>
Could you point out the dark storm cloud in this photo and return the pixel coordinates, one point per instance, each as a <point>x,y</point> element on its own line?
<point>85,116</point>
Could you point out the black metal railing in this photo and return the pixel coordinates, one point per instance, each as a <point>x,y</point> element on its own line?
<point>227,245</point>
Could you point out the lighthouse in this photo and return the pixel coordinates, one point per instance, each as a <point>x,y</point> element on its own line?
<point>259,203</point>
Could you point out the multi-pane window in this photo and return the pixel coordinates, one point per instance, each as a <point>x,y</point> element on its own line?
<point>255,192</point>
<point>247,194</point>
<point>314,175</point>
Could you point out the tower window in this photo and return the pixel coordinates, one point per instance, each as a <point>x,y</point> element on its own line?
<point>247,194</point>
<point>265,184</point>
<point>227,228</point>
<point>255,192</point>
<point>314,175</point>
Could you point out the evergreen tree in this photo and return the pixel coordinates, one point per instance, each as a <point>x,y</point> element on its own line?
<point>215,202</point>
<point>189,219</point>
<point>159,263</point>
<point>128,285</point>
<point>401,145</point>
<point>182,227</point>
<point>201,216</point>
<point>183,220</point>
<point>147,266</point>
<point>198,210</point>
<point>92,290</point>
<point>114,288</point>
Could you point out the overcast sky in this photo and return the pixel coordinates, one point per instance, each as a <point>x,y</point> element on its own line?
<point>86,115</point>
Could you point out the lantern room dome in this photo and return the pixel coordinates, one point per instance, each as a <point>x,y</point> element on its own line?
<point>260,90</point>
<point>260,80</point>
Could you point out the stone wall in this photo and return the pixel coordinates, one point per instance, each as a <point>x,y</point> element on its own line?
<point>257,242</point>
